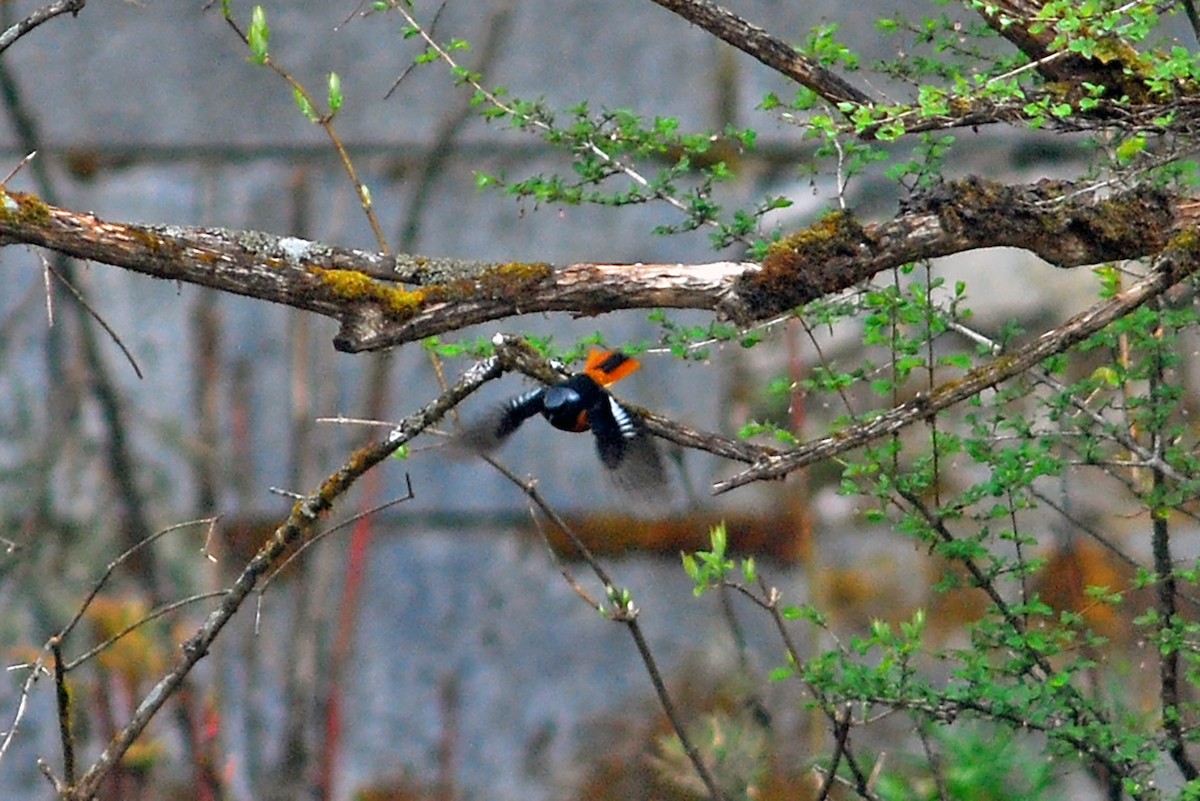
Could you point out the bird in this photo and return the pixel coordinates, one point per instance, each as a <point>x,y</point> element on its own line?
<point>577,404</point>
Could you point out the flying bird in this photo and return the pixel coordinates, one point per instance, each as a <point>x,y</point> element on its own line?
<point>582,403</point>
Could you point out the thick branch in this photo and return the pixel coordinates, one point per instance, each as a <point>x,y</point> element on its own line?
<point>1176,263</point>
<point>775,53</point>
<point>1013,19</point>
<point>1064,226</point>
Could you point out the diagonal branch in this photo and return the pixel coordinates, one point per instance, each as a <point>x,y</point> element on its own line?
<point>1175,264</point>
<point>44,14</point>
<point>298,525</point>
<point>770,50</point>
<point>1117,70</point>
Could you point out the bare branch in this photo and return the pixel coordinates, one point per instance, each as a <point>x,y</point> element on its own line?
<point>620,612</point>
<point>63,699</point>
<point>298,525</point>
<point>43,14</point>
<point>87,307</point>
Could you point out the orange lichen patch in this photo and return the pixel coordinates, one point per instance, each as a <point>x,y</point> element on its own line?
<point>616,533</point>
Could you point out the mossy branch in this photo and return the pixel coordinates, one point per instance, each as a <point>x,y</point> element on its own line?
<point>385,300</point>
<point>1179,259</point>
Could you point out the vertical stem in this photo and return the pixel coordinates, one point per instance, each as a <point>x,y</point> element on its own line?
<point>1168,663</point>
<point>64,713</point>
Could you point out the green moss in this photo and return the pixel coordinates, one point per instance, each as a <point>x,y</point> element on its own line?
<point>804,265</point>
<point>355,286</point>
<point>1187,240</point>
<point>23,209</point>
<point>502,282</point>
<point>837,233</point>
<point>152,242</point>
<point>512,278</point>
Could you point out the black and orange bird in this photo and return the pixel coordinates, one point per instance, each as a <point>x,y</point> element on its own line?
<point>582,403</point>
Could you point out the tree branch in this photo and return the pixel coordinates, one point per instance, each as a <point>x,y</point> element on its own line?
<point>1063,224</point>
<point>1175,264</point>
<point>44,14</point>
<point>1013,20</point>
<point>298,524</point>
<point>775,53</point>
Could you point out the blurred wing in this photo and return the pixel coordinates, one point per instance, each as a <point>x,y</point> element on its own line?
<point>626,448</point>
<point>488,432</point>
<point>614,428</point>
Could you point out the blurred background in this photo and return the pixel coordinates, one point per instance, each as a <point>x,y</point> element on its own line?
<point>462,664</point>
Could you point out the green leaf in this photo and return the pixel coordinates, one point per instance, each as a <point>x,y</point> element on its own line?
<point>749,571</point>
<point>1129,149</point>
<point>335,93</point>
<point>306,108</point>
<point>720,540</point>
<point>259,35</point>
<point>691,566</point>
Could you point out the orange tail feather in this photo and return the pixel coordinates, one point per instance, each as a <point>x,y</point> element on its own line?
<point>607,367</point>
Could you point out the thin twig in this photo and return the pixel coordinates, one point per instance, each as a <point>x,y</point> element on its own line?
<point>532,120</point>
<point>37,668</point>
<point>154,614</point>
<point>298,524</point>
<point>95,315</point>
<point>113,565</point>
<point>408,496</point>
<point>1164,568</point>
<point>326,123</point>
<point>1173,267</point>
<point>621,612</point>
<point>841,733</point>
<point>20,164</point>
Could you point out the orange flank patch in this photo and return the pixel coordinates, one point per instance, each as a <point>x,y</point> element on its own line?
<point>607,367</point>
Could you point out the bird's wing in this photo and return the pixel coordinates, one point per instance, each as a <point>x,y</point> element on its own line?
<point>626,448</point>
<point>488,432</point>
